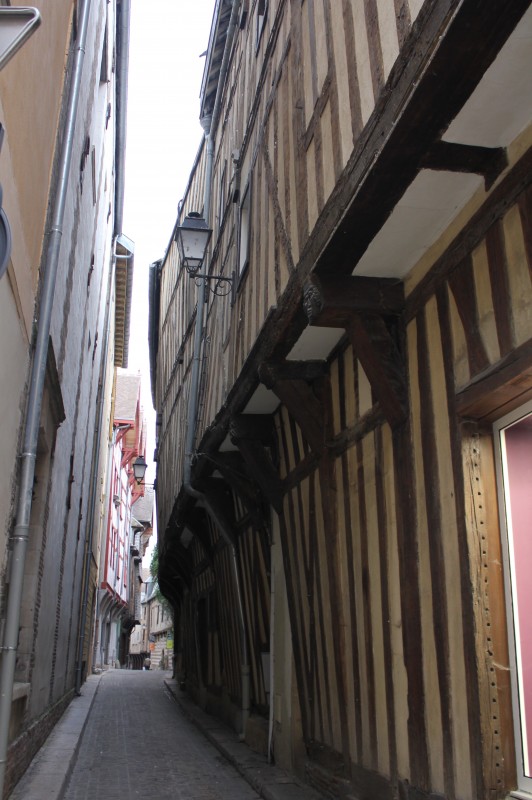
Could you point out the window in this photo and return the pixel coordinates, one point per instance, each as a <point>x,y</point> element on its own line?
<point>244,230</point>
<point>93,175</point>
<point>222,198</point>
<point>104,63</point>
<point>262,10</point>
<point>513,447</point>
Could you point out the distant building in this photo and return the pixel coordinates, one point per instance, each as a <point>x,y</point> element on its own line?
<point>141,531</point>
<point>158,619</point>
<point>113,617</point>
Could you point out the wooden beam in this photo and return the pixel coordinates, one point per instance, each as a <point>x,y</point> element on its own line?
<point>505,194</point>
<point>272,371</point>
<point>301,402</point>
<point>219,508</point>
<point>371,420</point>
<point>453,157</point>
<point>196,524</point>
<point>232,468</point>
<point>257,458</point>
<point>500,388</point>
<point>434,75</point>
<point>383,364</point>
<point>175,566</point>
<point>359,305</point>
<point>331,301</point>
<point>431,85</point>
<point>257,427</point>
<point>235,472</point>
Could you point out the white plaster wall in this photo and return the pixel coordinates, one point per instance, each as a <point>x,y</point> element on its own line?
<point>77,334</point>
<point>35,73</point>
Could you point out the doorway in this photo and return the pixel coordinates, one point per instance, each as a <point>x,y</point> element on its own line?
<point>513,446</point>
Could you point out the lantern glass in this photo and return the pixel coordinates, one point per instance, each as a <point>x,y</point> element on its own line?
<point>139,469</point>
<point>192,239</point>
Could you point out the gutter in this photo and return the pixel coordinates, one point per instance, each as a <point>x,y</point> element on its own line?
<point>33,413</point>
<point>209,124</point>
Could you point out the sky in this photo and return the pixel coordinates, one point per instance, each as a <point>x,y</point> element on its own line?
<point>167,40</point>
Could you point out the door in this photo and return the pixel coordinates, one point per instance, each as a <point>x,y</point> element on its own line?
<point>513,444</point>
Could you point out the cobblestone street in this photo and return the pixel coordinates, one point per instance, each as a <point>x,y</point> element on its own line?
<point>138,743</point>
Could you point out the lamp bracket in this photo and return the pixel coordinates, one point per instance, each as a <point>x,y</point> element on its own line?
<point>222,285</point>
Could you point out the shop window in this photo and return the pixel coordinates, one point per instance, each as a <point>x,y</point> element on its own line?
<point>513,446</point>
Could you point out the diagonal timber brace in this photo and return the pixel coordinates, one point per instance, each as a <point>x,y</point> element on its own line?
<point>252,434</point>
<point>290,382</point>
<point>365,307</point>
<point>380,358</point>
<point>219,508</point>
<point>236,473</point>
<point>196,524</point>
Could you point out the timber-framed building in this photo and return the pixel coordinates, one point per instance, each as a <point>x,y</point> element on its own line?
<point>343,430</point>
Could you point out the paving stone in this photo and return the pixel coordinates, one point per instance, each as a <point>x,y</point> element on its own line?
<point>271,782</point>
<point>126,737</point>
<point>138,742</point>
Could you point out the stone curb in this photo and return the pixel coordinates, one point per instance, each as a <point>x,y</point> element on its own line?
<point>48,774</point>
<point>270,782</point>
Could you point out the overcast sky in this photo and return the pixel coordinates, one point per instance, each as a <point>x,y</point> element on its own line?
<point>163,136</point>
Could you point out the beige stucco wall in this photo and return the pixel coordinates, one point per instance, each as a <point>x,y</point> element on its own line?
<point>31,86</point>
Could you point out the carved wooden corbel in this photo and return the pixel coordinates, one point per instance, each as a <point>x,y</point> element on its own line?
<point>331,302</point>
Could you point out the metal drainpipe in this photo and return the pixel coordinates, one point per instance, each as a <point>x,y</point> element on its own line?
<point>209,125</point>
<point>38,372</point>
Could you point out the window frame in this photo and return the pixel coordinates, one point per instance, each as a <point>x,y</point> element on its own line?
<point>244,231</point>
<point>262,15</point>
<point>505,422</point>
<point>222,199</point>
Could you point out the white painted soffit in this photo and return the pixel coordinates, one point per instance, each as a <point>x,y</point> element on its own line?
<point>262,401</point>
<point>315,343</point>
<point>227,446</point>
<point>496,113</point>
<point>426,209</point>
<point>500,108</point>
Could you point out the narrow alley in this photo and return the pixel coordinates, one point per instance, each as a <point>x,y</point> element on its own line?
<point>133,739</point>
<point>138,743</point>
<point>266,349</point>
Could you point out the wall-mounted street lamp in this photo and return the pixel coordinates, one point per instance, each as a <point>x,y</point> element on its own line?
<point>139,470</point>
<point>192,238</point>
